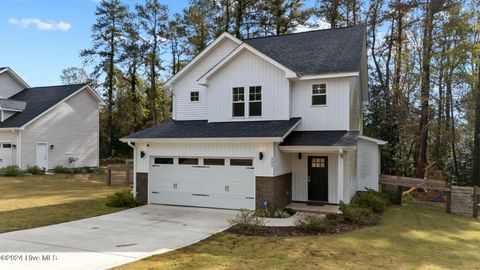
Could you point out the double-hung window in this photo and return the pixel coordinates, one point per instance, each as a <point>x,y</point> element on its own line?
<point>238,102</point>
<point>319,94</point>
<point>255,101</point>
<point>194,96</point>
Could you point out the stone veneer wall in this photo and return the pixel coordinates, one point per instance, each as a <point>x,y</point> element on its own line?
<point>278,190</point>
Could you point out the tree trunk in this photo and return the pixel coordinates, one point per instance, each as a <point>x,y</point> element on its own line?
<point>476,143</point>
<point>111,71</point>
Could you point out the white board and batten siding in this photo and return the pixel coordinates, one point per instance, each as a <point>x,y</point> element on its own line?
<point>184,109</point>
<point>8,156</point>
<point>249,150</point>
<point>246,70</point>
<point>332,116</point>
<point>368,164</point>
<point>71,127</point>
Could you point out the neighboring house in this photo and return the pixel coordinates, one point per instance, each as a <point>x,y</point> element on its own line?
<point>275,118</point>
<point>47,126</point>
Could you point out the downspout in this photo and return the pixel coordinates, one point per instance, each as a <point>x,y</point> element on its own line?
<point>134,190</point>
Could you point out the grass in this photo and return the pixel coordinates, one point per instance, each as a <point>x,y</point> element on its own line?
<point>33,201</point>
<point>408,237</point>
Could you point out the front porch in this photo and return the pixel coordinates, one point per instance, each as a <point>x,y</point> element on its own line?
<point>328,209</point>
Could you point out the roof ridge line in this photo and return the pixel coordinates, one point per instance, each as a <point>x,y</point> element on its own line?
<point>305,32</point>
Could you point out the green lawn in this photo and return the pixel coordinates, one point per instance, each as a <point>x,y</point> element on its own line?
<point>33,201</point>
<point>408,237</point>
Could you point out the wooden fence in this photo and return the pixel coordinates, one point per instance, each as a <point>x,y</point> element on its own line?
<point>120,174</point>
<point>459,200</point>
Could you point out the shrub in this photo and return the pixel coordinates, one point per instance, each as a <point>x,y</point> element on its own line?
<point>12,171</point>
<point>389,194</point>
<point>122,199</point>
<point>262,212</point>
<point>35,170</point>
<point>289,211</point>
<point>369,199</point>
<point>281,213</point>
<point>313,223</point>
<point>357,215</point>
<point>62,169</point>
<point>246,221</point>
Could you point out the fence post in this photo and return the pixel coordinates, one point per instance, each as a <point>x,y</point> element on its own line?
<point>109,176</point>
<point>399,195</point>
<point>448,200</point>
<point>476,201</point>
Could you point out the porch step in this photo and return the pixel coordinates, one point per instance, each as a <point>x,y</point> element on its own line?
<point>327,209</point>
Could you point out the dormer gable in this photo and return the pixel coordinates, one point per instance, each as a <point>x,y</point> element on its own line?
<point>10,83</point>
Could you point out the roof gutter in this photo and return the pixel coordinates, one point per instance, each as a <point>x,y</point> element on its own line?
<point>314,148</point>
<point>196,140</point>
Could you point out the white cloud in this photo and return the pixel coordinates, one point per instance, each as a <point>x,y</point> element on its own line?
<point>41,25</point>
<point>310,25</point>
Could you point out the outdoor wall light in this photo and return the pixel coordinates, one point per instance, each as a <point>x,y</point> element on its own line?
<point>14,146</point>
<point>260,155</point>
<point>299,155</point>
<point>142,154</point>
<point>52,147</point>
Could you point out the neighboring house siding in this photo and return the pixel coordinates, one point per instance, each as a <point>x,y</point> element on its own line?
<point>209,149</point>
<point>368,165</point>
<point>72,127</point>
<point>333,116</point>
<point>184,108</point>
<point>245,70</point>
<point>10,136</point>
<point>355,105</point>
<point>8,85</point>
<point>300,175</point>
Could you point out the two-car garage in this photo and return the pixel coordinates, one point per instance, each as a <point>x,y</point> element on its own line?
<point>202,181</point>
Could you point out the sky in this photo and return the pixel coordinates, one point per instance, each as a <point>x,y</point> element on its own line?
<point>39,38</point>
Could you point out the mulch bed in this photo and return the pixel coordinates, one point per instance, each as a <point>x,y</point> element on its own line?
<point>338,226</point>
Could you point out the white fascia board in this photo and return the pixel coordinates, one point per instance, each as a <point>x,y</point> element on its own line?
<point>96,95</point>
<point>10,129</point>
<point>329,76</point>
<point>15,77</point>
<point>314,149</point>
<point>377,141</point>
<point>203,80</point>
<point>175,77</point>
<point>291,129</point>
<point>197,140</point>
<point>54,106</point>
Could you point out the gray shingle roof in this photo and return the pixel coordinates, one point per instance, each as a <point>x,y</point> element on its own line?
<point>321,138</point>
<point>315,52</point>
<point>38,99</point>
<point>11,104</point>
<point>203,129</point>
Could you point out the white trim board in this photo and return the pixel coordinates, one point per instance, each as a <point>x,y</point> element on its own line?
<point>197,140</point>
<point>15,76</point>
<point>377,141</point>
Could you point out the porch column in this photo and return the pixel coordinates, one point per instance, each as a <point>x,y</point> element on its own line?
<point>340,170</point>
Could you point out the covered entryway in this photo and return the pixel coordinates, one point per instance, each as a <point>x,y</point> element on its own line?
<point>206,182</point>
<point>318,178</point>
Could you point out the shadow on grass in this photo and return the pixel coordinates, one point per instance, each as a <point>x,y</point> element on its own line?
<point>32,217</point>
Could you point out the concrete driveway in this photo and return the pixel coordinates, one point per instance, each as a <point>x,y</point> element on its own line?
<point>110,240</point>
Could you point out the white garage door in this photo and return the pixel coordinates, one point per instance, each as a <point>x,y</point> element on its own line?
<point>209,182</point>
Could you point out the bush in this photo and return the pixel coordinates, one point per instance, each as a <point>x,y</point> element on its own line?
<point>369,199</point>
<point>262,212</point>
<point>357,215</point>
<point>389,194</point>
<point>35,170</point>
<point>246,221</point>
<point>122,199</point>
<point>62,169</point>
<point>12,171</point>
<point>282,213</point>
<point>313,223</point>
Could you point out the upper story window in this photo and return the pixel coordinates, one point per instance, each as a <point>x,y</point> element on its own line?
<point>238,102</point>
<point>194,96</point>
<point>319,94</point>
<point>255,101</point>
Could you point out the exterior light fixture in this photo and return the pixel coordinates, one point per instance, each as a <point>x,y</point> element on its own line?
<point>142,154</point>
<point>260,155</point>
<point>299,155</point>
<point>52,147</point>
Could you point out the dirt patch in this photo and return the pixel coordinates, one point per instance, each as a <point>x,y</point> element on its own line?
<point>338,226</point>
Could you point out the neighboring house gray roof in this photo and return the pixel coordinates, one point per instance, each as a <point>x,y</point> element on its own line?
<point>315,52</point>
<point>38,99</point>
<point>203,129</point>
<point>11,104</point>
<point>321,138</point>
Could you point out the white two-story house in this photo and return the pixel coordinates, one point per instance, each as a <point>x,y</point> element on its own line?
<point>260,121</point>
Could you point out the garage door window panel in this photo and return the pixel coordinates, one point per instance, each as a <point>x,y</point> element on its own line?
<point>214,162</point>
<point>241,162</point>
<point>163,160</point>
<point>188,161</point>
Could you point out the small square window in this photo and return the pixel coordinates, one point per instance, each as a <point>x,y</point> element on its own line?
<point>194,96</point>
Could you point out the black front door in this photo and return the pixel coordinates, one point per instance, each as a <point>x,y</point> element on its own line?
<point>318,179</point>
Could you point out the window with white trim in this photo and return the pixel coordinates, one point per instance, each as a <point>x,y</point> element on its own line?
<point>255,101</point>
<point>319,94</point>
<point>238,102</point>
<point>194,96</point>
